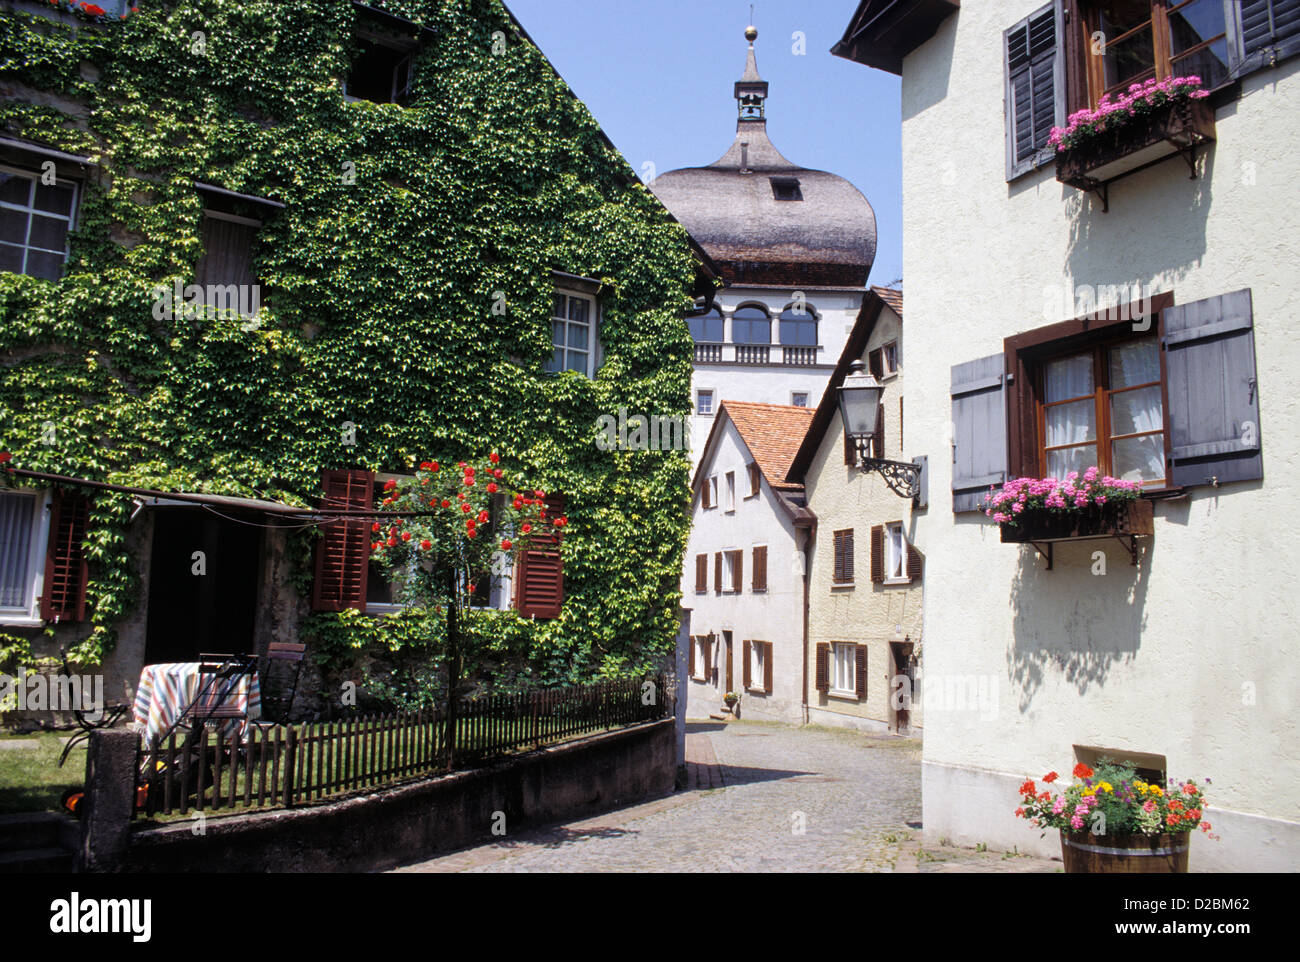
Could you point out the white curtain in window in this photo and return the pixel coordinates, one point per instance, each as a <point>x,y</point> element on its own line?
<point>15,548</point>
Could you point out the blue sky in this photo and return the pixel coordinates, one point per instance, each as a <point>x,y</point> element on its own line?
<point>658,77</point>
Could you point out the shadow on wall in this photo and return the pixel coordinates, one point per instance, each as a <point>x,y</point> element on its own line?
<point>1118,246</point>
<point>1073,621</point>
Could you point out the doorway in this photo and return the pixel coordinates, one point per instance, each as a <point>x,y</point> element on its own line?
<point>203,581</point>
<point>726,641</point>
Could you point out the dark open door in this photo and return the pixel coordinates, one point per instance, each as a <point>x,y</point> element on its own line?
<point>726,637</point>
<point>204,603</point>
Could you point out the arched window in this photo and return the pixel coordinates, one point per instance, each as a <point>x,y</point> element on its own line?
<point>799,326</point>
<point>751,325</point>
<point>707,328</point>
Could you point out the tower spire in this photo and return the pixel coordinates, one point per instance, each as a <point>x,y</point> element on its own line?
<point>751,89</point>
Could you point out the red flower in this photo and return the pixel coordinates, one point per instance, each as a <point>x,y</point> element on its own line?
<point>469,471</point>
<point>491,488</point>
<point>406,536</point>
<point>526,527</point>
<point>539,495</point>
<point>1045,797</point>
<point>484,517</point>
<point>94,9</point>
<point>466,508</point>
<point>471,533</point>
<point>424,465</point>
<point>446,503</point>
<point>561,521</point>
<point>376,546</point>
<point>460,495</point>
<point>497,473</point>
<point>460,464</point>
<point>494,458</point>
<point>387,501</point>
<point>1082,771</point>
<point>392,542</point>
<point>469,481</point>
<point>1050,777</point>
<point>5,457</point>
<point>506,545</point>
<point>1029,788</point>
<point>390,484</point>
<point>426,544</point>
<point>518,503</point>
<point>433,465</point>
<point>375,526</point>
<point>1019,812</point>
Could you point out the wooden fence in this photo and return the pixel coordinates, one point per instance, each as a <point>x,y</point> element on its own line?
<point>283,766</point>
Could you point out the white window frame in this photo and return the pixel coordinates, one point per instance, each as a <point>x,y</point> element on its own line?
<point>699,397</point>
<point>889,369</point>
<point>838,672</point>
<point>806,395</point>
<point>568,294</point>
<point>28,614</point>
<point>731,492</point>
<point>701,658</point>
<point>712,482</point>
<point>31,211</point>
<point>757,661</point>
<point>895,554</point>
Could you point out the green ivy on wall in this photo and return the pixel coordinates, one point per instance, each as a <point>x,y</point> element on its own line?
<point>377,296</point>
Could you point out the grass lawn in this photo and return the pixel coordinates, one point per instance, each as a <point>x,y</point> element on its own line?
<point>31,779</point>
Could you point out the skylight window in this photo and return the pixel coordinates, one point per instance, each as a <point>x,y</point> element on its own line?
<point>786,188</point>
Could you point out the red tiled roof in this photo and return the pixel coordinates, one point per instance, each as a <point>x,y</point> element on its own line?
<point>891,296</point>
<point>773,433</point>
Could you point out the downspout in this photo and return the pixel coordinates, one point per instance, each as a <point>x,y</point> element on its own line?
<point>809,532</point>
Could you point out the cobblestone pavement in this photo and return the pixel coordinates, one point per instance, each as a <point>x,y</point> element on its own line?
<point>751,787</point>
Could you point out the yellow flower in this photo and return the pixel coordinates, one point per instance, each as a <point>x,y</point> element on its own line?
<point>1140,785</point>
<point>1106,787</point>
<point>1157,792</point>
<point>1089,791</point>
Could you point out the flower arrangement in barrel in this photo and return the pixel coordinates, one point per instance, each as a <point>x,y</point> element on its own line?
<point>465,520</point>
<point>1141,99</point>
<point>1112,800</point>
<point>1017,497</point>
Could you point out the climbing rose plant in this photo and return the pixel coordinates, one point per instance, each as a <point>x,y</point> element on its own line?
<point>1141,100</point>
<point>1022,496</point>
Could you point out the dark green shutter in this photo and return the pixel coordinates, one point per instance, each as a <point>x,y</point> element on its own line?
<point>1034,89</point>
<point>979,431</point>
<point>1213,392</point>
<point>1261,33</point>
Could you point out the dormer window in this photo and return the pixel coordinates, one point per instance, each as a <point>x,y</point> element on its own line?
<point>786,188</point>
<point>383,61</point>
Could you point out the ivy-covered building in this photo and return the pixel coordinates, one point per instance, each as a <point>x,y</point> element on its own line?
<point>265,252</point>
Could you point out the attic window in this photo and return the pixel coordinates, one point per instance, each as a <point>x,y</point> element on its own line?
<point>380,73</point>
<point>786,188</point>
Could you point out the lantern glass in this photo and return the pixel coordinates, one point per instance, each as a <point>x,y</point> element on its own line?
<point>859,399</point>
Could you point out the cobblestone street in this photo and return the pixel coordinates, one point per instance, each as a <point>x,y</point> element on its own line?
<point>752,787</point>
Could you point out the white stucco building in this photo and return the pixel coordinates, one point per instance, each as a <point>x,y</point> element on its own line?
<point>744,577</point>
<point>795,246</point>
<point>1187,660</point>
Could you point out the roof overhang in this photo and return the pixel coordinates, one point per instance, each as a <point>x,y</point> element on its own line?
<point>37,150</point>
<point>393,22</point>
<point>883,32</point>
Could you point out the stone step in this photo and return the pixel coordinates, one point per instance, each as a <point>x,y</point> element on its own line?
<point>31,830</point>
<point>29,861</point>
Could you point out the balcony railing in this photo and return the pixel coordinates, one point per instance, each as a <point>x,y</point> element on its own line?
<point>708,353</point>
<point>753,353</point>
<point>799,355</point>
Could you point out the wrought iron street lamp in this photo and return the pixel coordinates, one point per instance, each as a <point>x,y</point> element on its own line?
<point>859,404</point>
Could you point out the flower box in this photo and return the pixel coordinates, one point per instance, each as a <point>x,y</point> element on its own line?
<point>1083,852</point>
<point>1118,519</point>
<point>1177,127</point>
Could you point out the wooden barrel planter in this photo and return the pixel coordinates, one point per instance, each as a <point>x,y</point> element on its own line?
<point>1125,854</point>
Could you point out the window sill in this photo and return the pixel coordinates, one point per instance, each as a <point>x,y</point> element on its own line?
<point>758,591</point>
<point>17,620</point>
<point>757,691</point>
<point>895,582</point>
<point>842,585</point>
<point>843,695</point>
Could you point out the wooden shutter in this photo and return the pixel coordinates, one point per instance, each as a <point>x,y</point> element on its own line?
<point>717,573</point>
<point>748,646</point>
<point>878,554</point>
<point>876,363</point>
<point>754,480</point>
<point>760,568</point>
<point>915,564</point>
<point>767,666</point>
<point>1213,393</point>
<point>63,597</point>
<point>708,501</point>
<point>843,568</point>
<point>343,552</point>
<point>823,667</point>
<point>695,643</point>
<point>850,451</point>
<point>1261,33</point>
<point>860,671</point>
<point>979,431</point>
<point>539,577</point>
<point>878,439</point>
<point>701,573</point>
<point>1034,88</point>
<point>737,571</point>
<point>710,640</point>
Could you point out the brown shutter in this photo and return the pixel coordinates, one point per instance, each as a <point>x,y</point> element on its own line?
<point>539,581</point>
<point>878,439</point>
<point>708,503</point>
<point>848,555</point>
<point>701,573</point>
<point>747,645</point>
<point>760,568</point>
<point>63,597</point>
<point>850,451</point>
<point>343,552</point>
<point>708,655</point>
<point>860,671</point>
<point>695,643</point>
<point>738,571</point>
<point>915,564</point>
<point>878,553</point>
<point>717,573</point>
<point>875,363</point>
<point>823,667</point>
<point>767,666</point>
<point>754,483</point>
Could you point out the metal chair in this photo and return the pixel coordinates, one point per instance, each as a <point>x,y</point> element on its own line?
<point>286,653</point>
